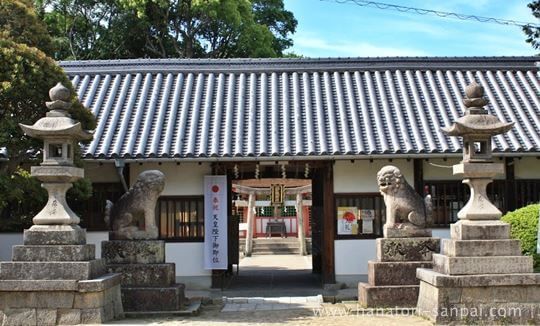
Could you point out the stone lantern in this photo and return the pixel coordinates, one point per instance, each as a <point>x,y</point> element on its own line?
<point>480,269</point>
<point>477,127</point>
<point>60,134</point>
<point>54,277</point>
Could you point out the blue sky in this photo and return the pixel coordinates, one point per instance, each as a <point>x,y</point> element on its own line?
<point>329,29</point>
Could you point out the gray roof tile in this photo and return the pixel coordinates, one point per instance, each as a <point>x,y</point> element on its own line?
<point>298,107</point>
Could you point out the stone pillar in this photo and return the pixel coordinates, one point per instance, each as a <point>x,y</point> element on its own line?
<point>250,222</point>
<point>55,278</point>
<point>480,275</point>
<point>300,224</point>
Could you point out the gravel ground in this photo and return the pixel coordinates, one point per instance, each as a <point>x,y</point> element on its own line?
<point>211,315</point>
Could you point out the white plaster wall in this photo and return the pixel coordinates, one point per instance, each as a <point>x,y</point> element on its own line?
<point>439,169</point>
<point>105,172</point>
<point>185,179</point>
<point>95,238</point>
<point>361,175</point>
<point>188,257</point>
<point>7,241</point>
<point>527,168</point>
<point>351,256</point>
<point>443,233</point>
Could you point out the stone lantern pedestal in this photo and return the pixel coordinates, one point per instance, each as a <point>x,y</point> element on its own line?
<point>480,275</point>
<point>55,278</point>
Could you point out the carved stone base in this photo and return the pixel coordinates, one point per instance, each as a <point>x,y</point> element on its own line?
<point>484,299</point>
<point>407,249</point>
<point>405,231</point>
<point>153,299</point>
<point>148,283</point>
<point>392,278</point>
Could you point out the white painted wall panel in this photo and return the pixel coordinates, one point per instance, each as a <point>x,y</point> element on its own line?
<point>101,173</point>
<point>188,257</point>
<point>351,256</point>
<point>180,180</point>
<point>361,175</point>
<point>439,169</point>
<point>96,237</point>
<point>527,168</point>
<point>7,241</point>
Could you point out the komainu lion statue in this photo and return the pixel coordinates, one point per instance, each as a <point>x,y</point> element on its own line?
<point>406,213</point>
<point>133,216</point>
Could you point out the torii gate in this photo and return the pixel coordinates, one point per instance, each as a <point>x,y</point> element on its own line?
<point>252,192</point>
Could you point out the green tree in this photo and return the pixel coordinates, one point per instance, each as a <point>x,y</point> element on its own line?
<point>533,33</point>
<point>26,75</point>
<point>115,29</point>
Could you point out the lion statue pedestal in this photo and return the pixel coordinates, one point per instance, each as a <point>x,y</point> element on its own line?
<point>406,246</point>
<point>148,282</point>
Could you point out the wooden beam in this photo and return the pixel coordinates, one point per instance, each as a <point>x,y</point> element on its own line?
<point>266,183</point>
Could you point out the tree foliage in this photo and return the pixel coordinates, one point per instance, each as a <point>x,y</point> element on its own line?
<point>26,75</point>
<point>533,33</point>
<point>115,29</point>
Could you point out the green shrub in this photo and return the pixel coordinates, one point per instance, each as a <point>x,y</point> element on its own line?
<point>524,222</point>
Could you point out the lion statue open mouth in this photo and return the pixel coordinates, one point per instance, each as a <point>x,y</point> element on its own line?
<point>405,209</point>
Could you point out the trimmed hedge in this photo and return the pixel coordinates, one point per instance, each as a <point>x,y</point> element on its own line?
<point>524,223</point>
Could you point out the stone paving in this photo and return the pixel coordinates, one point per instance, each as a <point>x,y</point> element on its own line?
<point>269,303</point>
<point>335,315</point>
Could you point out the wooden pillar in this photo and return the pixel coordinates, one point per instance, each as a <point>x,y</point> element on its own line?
<point>250,222</point>
<point>300,224</point>
<point>418,168</point>
<point>510,190</point>
<point>328,226</point>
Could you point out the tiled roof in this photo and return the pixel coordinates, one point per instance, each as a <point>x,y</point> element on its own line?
<point>299,107</point>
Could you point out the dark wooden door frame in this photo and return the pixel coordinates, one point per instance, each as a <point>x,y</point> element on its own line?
<point>323,211</point>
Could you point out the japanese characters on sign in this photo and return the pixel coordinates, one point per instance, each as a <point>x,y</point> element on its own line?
<point>277,194</point>
<point>215,222</point>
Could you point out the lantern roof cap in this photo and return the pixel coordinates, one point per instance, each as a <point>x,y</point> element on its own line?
<point>477,120</point>
<point>57,123</point>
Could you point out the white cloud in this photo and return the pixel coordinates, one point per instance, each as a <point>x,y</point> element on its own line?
<point>316,47</point>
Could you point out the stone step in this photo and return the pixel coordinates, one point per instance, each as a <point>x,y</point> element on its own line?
<point>54,235</point>
<point>54,253</point>
<point>387,296</point>
<point>276,246</point>
<point>149,275</point>
<point>147,299</point>
<point>275,252</point>
<point>482,265</point>
<point>464,248</point>
<point>52,270</point>
<point>133,251</point>
<point>480,230</point>
<point>275,241</point>
<point>191,308</point>
<point>407,249</point>
<point>394,273</point>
